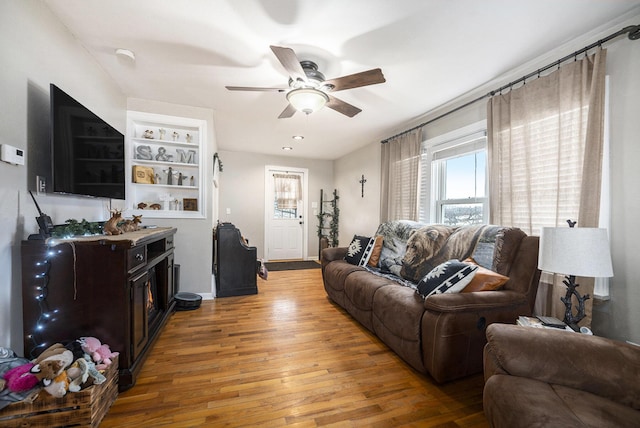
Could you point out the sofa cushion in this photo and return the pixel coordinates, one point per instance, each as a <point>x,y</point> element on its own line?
<point>449,277</point>
<point>359,250</point>
<point>375,253</point>
<point>484,279</point>
<point>547,405</point>
<point>335,277</point>
<point>397,316</point>
<point>359,289</point>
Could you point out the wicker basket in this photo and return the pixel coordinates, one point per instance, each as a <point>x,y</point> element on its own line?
<point>85,408</point>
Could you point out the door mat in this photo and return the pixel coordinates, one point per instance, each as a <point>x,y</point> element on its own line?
<point>298,265</point>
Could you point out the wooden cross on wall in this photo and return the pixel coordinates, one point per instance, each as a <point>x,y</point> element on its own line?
<point>362,184</point>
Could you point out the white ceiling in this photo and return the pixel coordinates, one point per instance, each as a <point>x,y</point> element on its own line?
<point>430,52</point>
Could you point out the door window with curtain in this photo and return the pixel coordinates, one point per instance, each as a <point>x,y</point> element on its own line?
<point>287,194</point>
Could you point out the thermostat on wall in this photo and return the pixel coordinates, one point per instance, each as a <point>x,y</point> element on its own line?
<point>11,154</point>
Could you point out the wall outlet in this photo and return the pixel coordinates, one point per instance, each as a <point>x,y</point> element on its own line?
<point>41,185</point>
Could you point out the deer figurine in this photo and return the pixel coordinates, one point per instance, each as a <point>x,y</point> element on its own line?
<point>111,226</point>
<point>131,225</point>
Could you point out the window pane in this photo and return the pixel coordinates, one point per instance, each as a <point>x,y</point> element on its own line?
<point>462,214</point>
<point>465,176</point>
<point>284,213</point>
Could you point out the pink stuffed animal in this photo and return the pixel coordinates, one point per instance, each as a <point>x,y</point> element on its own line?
<point>100,353</point>
<point>20,378</point>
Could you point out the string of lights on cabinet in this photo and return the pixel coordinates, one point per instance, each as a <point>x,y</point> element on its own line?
<point>41,285</point>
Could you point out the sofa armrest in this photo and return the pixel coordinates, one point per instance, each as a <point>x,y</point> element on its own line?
<point>471,302</point>
<point>332,253</point>
<point>598,365</point>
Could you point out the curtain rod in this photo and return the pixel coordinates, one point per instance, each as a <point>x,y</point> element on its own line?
<point>634,34</point>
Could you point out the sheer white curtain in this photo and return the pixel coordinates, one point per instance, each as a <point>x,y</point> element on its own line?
<point>400,176</point>
<point>288,190</point>
<point>545,158</point>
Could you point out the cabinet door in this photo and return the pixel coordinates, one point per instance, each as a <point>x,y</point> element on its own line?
<point>139,322</point>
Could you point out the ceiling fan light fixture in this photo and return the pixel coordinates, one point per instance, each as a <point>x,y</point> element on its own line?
<point>307,100</point>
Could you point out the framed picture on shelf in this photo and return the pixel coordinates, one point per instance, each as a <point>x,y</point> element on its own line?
<point>143,174</point>
<point>190,204</point>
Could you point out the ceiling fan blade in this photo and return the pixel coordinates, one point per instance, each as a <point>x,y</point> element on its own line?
<point>287,112</point>
<point>356,80</point>
<point>290,62</point>
<point>247,88</point>
<point>342,107</point>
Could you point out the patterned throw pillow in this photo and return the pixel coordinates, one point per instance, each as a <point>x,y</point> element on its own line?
<point>359,250</point>
<point>449,277</point>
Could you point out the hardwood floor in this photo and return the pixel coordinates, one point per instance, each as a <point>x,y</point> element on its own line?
<point>285,357</point>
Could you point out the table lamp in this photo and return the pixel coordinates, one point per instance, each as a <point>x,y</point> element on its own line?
<point>574,251</point>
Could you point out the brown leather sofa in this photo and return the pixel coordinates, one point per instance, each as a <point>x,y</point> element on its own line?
<point>443,335</point>
<point>546,378</point>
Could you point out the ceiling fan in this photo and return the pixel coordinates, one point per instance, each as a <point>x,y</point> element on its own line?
<point>308,90</point>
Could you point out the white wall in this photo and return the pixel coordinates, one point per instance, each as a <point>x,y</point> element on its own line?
<point>242,190</point>
<point>358,215</point>
<point>193,240</point>
<point>619,317</point>
<point>37,50</point>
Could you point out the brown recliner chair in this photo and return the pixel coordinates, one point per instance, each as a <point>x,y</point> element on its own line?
<point>552,378</point>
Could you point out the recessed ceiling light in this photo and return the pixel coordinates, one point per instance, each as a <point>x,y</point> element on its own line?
<point>287,148</point>
<point>298,137</point>
<point>126,53</point>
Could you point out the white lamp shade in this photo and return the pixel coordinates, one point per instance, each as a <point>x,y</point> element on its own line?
<point>307,100</point>
<point>578,251</point>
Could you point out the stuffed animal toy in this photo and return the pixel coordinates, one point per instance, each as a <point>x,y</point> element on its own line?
<point>47,366</point>
<point>95,377</point>
<point>20,378</point>
<point>58,386</point>
<point>98,352</point>
<point>78,373</point>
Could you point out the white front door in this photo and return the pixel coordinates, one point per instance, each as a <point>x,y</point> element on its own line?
<point>285,225</point>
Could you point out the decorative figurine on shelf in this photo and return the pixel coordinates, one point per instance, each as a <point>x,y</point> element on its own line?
<point>175,136</point>
<point>131,225</point>
<point>111,226</point>
<point>170,174</point>
<point>142,206</point>
<point>180,177</point>
<point>148,134</point>
<point>188,138</point>
<point>192,181</point>
<point>158,179</point>
<point>162,133</point>
<point>162,155</point>
<point>155,206</point>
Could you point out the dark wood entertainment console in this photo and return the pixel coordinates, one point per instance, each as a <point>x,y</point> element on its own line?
<point>119,289</point>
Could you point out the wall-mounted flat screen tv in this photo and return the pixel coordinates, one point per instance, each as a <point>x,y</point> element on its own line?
<point>87,152</point>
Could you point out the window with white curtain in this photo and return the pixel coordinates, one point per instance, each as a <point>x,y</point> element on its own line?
<point>287,194</point>
<point>453,181</point>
